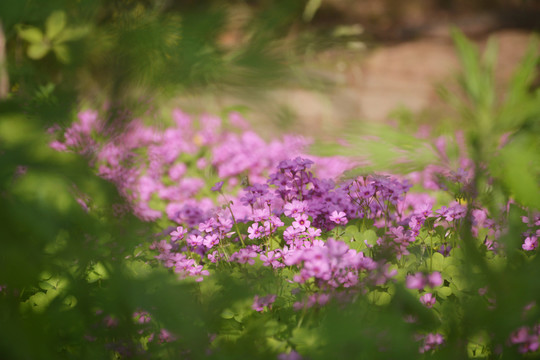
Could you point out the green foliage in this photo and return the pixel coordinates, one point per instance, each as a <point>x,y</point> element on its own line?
<point>55,35</point>
<point>62,265</point>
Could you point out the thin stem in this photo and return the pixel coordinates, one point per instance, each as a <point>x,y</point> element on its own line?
<point>234,219</point>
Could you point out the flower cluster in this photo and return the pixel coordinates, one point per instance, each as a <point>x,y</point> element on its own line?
<point>430,342</point>
<point>325,239</point>
<point>527,338</point>
<point>148,163</point>
<point>531,236</point>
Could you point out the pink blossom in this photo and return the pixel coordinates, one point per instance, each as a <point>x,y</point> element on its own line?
<point>339,217</point>
<point>428,300</point>
<point>530,243</point>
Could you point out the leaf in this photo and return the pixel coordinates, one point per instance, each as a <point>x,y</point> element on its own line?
<point>379,297</point>
<point>62,53</point>
<point>311,8</point>
<point>370,236</point>
<point>72,33</point>
<point>97,272</point>
<point>227,314</point>
<point>30,34</point>
<point>519,169</point>
<point>444,291</point>
<point>459,282</point>
<point>304,339</point>
<point>37,50</point>
<point>138,268</point>
<point>437,262</point>
<point>351,232</point>
<point>381,147</point>
<point>54,24</point>
<point>451,271</point>
<point>357,245</point>
<point>348,30</point>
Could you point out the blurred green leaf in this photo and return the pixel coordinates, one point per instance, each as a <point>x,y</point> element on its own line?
<point>311,8</point>
<point>54,24</point>
<point>37,51</point>
<point>30,34</point>
<point>72,33</point>
<point>520,171</point>
<point>62,53</point>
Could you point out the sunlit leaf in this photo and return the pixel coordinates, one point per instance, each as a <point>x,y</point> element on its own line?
<point>30,34</point>
<point>37,51</point>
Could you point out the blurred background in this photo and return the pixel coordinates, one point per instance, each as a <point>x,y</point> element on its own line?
<point>289,64</point>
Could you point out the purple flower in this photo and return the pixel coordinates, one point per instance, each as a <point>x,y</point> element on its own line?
<point>217,187</point>
<point>178,234</point>
<point>271,258</point>
<point>210,241</point>
<point>260,302</point>
<point>293,355</point>
<point>295,207</point>
<point>195,240</point>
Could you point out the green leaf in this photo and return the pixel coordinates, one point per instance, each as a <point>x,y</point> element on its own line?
<point>304,339</point>
<point>379,297</point>
<point>138,268</point>
<point>348,30</point>
<point>459,282</point>
<point>519,167</point>
<point>30,34</point>
<point>352,232</point>
<point>54,24</point>
<point>370,236</point>
<point>357,245</point>
<point>444,291</point>
<point>437,262</point>
<point>37,50</point>
<point>72,33</point>
<point>227,314</point>
<point>311,8</point>
<point>96,273</point>
<point>450,271</point>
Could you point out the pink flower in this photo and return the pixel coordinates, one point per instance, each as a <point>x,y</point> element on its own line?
<point>530,243</point>
<point>302,222</point>
<point>435,279</point>
<point>416,281</point>
<point>339,217</point>
<point>428,300</point>
<point>178,234</point>
<point>430,342</point>
<point>195,240</point>
<point>260,302</point>
<point>419,281</point>
<point>255,231</point>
